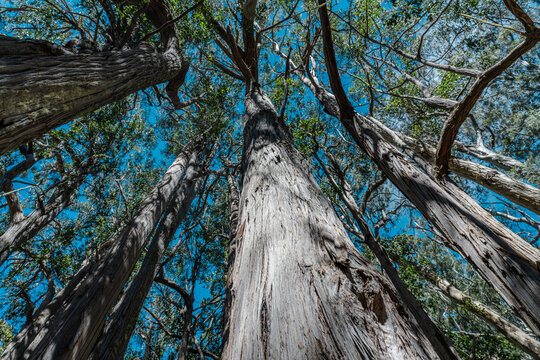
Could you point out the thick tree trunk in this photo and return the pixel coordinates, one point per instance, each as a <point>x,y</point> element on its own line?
<point>501,257</point>
<point>39,93</point>
<point>114,340</point>
<point>72,329</point>
<point>300,289</point>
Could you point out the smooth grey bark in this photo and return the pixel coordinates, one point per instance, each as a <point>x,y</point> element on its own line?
<point>69,328</point>
<point>113,341</point>
<point>299,288</point>
<point>500,256</point>
<point>43,91</point>
<point>29,226</point>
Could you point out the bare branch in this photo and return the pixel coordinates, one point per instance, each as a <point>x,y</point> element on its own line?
<point>462,110</point>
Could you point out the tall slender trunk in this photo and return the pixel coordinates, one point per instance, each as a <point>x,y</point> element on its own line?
<point>114,340</point>
<point>40,93</point>
<point>513,333</point>
<point>26,228</point>
<point>71,331</point>
<point>299,288</point>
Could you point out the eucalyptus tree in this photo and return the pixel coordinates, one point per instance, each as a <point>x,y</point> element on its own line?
<point>285,279</point>
<point>290,249</point>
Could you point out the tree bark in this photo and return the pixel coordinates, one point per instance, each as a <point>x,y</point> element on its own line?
<point>502,258</point>
<point>72,329</point>
<point>299,288</point>
<point>41,92</point>
<point>514,190</point>
<point>29,226</point>
<point>114,340</point>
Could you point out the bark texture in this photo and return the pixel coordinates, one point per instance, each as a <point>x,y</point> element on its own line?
<point>69,328</point>
<point>41,92</point>
<point>29,226</point>
<point>114,340</point>
<point>299,288</point>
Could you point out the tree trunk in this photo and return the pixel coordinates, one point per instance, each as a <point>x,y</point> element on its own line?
<point>299,288</point>
<point>39,93</point>
<point>71,331</point>
<point>502,258</point>
<point>114,340</point>
<point>29,226</point>
<point>513,333</point>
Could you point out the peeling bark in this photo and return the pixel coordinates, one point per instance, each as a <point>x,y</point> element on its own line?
<point>299,288</point>
<point>41,92</point>
<point>440,343</point>
<point>117,332</point>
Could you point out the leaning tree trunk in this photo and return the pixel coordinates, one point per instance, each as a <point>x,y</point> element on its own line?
<point>20,231</point>
<point>70,329</point>
<point>117,332</point>
<point>501,257</point>
<point>299,288</point>
<point>41,92</point>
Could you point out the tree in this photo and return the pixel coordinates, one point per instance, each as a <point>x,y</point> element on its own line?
<point>87,81</point>
<point>310,272</point>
